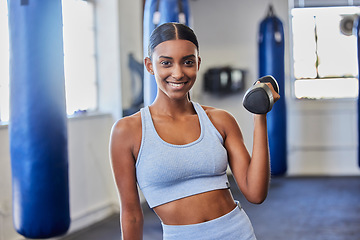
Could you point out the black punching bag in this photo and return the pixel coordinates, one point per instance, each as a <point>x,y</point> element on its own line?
<point>271,62</point>
<point>38,122</point>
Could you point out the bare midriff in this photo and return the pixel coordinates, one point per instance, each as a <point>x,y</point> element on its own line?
<point>198,208</point>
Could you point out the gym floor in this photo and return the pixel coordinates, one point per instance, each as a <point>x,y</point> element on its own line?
<point>297,208</point>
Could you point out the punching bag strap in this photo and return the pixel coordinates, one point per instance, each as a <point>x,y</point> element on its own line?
<point>270,11</point>
<point>277,34</point>
<point>157,14</point>
<point>182,18</point>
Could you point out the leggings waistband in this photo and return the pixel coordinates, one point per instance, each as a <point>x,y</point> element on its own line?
<point>233,225</point>
<point>227,215</point>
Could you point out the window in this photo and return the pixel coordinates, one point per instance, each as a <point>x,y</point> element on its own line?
<point>325,64</point>
<point>79,57</point>
<point>4,63</point>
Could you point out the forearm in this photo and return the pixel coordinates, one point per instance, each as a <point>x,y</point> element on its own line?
<point>258,174</point>
<point>132,227</point>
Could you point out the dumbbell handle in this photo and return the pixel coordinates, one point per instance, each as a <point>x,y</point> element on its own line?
<point>271,80</point>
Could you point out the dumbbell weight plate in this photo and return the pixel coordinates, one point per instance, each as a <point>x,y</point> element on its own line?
<point>259,99</point>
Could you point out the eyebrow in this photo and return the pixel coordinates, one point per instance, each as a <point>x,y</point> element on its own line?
<point>188,56</point>
<point>165,57</point>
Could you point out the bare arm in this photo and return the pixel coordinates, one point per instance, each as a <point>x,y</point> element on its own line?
<point>122,144</point>
<point>252,173</point>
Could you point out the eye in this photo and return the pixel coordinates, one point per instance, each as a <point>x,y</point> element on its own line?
<point>165,63</point>
<point>189,62</point>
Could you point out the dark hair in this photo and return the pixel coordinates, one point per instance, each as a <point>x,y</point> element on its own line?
<point>171,31</point>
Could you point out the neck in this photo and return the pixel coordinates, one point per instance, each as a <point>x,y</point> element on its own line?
<point>172,107</point>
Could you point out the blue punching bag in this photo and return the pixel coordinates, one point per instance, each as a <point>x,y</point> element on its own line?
<point>157,12</point>
<point>271,62</point>
<point>357,32</point>
<point>38,122</point>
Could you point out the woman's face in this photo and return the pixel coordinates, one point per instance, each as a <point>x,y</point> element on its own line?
<point>175,64</point>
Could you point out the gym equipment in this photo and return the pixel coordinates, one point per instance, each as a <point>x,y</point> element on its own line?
<point>271,62</point>
<point>38,122</point>
<point>259,99</point>
<point>137,85</point>
<point>157,12</point>
<point>223,80</point>
<point>347,24</point>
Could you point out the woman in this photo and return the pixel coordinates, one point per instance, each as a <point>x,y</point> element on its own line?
<point>177,151</point>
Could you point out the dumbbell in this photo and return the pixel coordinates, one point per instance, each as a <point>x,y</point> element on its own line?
<point>259,99</point>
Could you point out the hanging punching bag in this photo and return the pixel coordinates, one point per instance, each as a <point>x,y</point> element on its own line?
<point>157,12</point>
<point>38,123</point>
<point>357,34</point>
<point>271,62</point>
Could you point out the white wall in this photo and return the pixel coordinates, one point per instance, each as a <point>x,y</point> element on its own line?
<point>108,56</point>
<point>323,137</point>
<point>92,190</point>
<point>6,226</point>
<point>130,23</point>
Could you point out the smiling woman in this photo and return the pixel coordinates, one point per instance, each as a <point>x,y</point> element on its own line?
<point>175,65</point>
<point>177,151</point>
<point>191,60</point>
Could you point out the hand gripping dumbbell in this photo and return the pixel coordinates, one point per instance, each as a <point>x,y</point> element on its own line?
<point>259,99</point>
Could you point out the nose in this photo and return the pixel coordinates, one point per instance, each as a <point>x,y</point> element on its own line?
<point>177,72</point>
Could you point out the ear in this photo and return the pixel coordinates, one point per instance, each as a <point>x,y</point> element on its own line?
<point>199,62</point>
<point>149,65</point>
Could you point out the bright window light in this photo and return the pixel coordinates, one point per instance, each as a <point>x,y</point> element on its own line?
<point>325,60</point>
<point>4,63</point>
<point>326,88</point>
<point>79,57</point>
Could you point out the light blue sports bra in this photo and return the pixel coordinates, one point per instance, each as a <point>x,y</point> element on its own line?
<point>166,172</point>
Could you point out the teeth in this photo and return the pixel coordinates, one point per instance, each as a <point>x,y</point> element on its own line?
<point>176,84</point>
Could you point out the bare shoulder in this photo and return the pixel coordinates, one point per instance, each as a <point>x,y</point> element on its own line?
<point>221,119</point>
<point>127,125</point>
<point>217,114</point>
<point>126,134</point>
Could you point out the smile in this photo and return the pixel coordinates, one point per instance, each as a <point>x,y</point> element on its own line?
<point>176,85</point>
